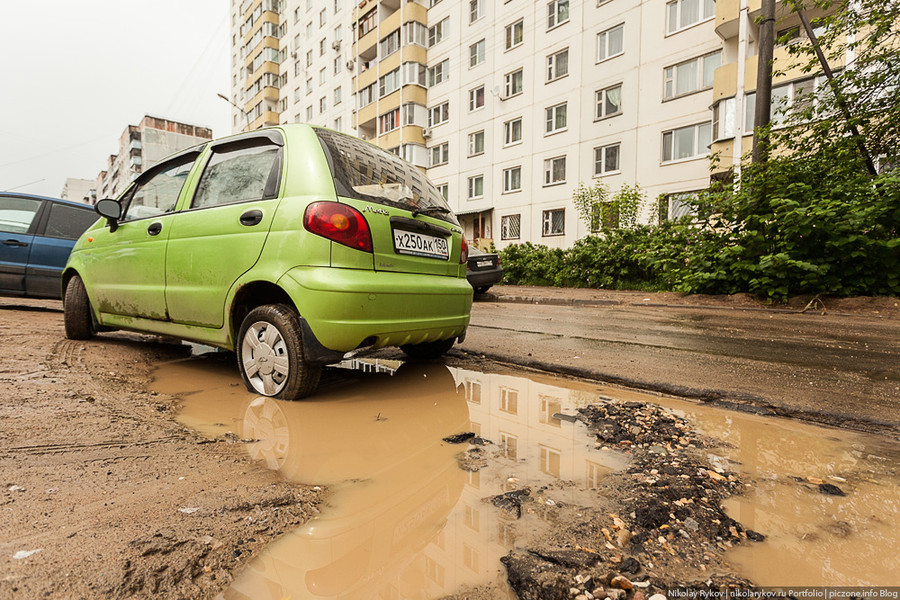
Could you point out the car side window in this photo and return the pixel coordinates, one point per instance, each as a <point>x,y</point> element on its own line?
<point>16,214</point>
<point>239,173</point>
<point>68,222</point>
<point>159,194</point>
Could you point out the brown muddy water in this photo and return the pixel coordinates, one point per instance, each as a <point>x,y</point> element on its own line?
<point>403,519</point>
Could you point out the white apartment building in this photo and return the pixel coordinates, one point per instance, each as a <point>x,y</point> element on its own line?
<point>509,105</point>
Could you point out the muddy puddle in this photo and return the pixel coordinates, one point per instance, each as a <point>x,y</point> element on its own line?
<point>404,519</point>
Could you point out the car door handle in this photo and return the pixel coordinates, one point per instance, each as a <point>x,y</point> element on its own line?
<point>251,218</point>
<point>14,243</point>
<point>154,229</point>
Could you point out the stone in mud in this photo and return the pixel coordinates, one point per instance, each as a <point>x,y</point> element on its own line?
<point>459,438</point>
<point>755,536</point>
<point>570,559</point>
<point>630,565</point>
<point>831,489</point>
<point>510,501</point>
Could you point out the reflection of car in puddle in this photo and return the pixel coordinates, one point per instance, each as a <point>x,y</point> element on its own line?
<point>378,445</point>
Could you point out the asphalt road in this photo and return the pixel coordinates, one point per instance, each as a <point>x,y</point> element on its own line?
<point>837,369</point>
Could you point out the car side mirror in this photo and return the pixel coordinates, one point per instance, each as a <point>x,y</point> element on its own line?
<point>112,210</point>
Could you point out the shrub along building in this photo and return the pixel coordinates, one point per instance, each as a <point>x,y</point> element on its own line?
<point>510,106</point>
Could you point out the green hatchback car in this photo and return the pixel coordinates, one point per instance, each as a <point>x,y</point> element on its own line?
<point>294,246</point>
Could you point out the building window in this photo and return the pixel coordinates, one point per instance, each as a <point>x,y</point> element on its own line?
<point>390,44</point>
<point>438,32</point>
<point>309,30</point>
<point>691,75</point>
<point>413,73</point>
<point>322,47</point>
<point>476,10</point>
<point>476,53</point>
<point>309,86</point>
<point>686,142</point>
<point>338,34</point>
<point>554,222</point>
<point>389,121</point>
<point>368,22</point>
<point>476,187</point>
<point>555,170</point>
<point>512,132</point>
<point>513,83</point>
<point>439,114</point>
<point>444,190</point>
<point>323,17</point>
<point>609,102</point>
<point>681,14</point>
<point>515,34</point>
<point>439,155</point>
<point>677,205</point>
<point>439,72</point>
<point>512,180</point>
<point>476,143</point>
<point>510,227</point>
<point>309,113</point>
<point>337,124</point>
<point>323,75</point>
<point>309,58</point>
<point>557,13</point>
<point>558,65</point>
<point>338,95</point>
<point>606,159</point>
<point>416,33</point>
<point>366,96</point>
<point>555,118</point>
<point>337,65</point>
<point>323,104</point>
<point>476,98</point>
<point>611,42</point>
<point>389,83</point>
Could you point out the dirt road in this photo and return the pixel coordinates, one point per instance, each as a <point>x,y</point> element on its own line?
<point>105,495</point>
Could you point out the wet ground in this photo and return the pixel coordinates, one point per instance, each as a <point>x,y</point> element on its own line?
<point>563,484</point>
<point>412,515</point>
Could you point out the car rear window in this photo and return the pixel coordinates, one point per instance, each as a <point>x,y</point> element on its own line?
<point>366,172</point>
<point>68,222</point>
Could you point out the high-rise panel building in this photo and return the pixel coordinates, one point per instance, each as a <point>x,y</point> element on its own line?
<point>511,105</point>
<point>143,145</point>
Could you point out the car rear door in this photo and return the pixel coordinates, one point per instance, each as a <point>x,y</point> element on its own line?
<point>60,225</point>
<point>17,224</point>
<point>221,233</point>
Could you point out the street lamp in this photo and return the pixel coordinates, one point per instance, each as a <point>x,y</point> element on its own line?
<point>228,100</point>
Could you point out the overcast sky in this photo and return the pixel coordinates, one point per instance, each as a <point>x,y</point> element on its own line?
<point>75,73</point>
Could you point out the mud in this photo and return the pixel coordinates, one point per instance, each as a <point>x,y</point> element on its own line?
<point>105,494</point>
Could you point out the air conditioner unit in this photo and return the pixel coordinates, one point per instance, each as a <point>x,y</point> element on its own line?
<point>426,133</point>
<point>336,44</point>
<point>350,64</point>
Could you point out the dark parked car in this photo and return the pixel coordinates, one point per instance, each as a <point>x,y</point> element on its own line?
<point>483,270</point>
<point>36,236</point>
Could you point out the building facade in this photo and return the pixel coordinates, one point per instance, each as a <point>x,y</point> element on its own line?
<point>143,145</point>
<point>512,105</point>
<point>80,190</point>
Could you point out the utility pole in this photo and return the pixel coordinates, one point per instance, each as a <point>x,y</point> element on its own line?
<point>763,114</point>
<point>242,111</point>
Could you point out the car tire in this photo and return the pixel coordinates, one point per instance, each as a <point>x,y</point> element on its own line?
<point>428,350</point>
<point>482,289</point>
<point>78,316</point>
<point>270,354</point>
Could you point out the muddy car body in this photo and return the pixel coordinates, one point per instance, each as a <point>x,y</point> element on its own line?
<point>292,246</point>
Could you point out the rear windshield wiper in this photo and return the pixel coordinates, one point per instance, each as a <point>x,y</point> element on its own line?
<point>431,209</point>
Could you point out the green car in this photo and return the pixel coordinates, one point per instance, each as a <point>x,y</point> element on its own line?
<point>295,247</point>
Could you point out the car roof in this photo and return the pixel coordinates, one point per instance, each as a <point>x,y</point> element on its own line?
<point>48,198</point>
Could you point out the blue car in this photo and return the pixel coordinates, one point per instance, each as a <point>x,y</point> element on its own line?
<point>36,236</point>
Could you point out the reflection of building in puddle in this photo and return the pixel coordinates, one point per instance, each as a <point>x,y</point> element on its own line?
<point>404,521</point>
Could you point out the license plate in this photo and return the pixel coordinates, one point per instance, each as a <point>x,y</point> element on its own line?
<point>417,244</point>
<point>484,263</point>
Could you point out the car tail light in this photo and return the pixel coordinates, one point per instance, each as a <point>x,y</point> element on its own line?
<point>464,253</point>
<point>339,223</point>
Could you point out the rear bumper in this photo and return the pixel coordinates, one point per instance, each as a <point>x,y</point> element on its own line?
<point>349,308</point>
<point>481,278</point>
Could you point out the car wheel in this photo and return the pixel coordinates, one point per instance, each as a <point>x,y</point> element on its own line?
<point>482,289</point>
<point>78,315</point>
<point>270,354</point>
<point>427,350</point>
